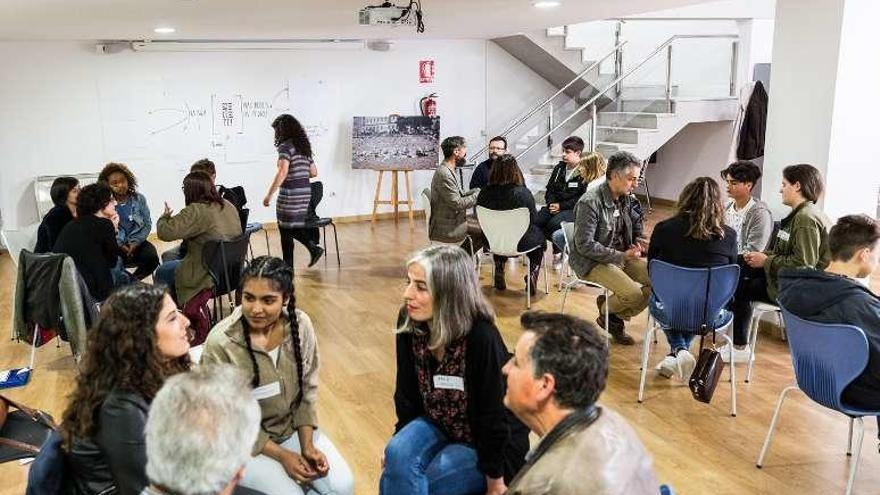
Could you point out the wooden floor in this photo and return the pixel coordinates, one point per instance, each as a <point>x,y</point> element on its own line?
<point>697,448</point>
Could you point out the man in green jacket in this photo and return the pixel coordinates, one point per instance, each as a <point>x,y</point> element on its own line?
<point>802,241</point>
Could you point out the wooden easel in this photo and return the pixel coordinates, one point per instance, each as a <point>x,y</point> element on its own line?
<point>394,201</point>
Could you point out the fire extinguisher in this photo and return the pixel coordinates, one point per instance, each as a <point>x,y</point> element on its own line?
<point>428,105</point>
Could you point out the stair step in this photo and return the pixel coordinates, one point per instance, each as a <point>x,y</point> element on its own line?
<point>618,135</point>
<point>646,106</point>
<point>638,120</point>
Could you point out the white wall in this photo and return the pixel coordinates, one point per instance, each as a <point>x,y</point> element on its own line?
<point>853,173</point>
<point>806,46</point>
<point>54,114</point>
<point>725,9</point>
<point>698,150</point>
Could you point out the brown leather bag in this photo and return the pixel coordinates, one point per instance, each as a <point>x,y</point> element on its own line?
<point>22,432</point>
<point>709,365</point>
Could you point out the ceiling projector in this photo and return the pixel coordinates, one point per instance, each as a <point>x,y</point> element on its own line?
<point>388,14</point>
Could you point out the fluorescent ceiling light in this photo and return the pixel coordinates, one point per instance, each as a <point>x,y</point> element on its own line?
<point>244,45</point>
<point>546,4</point>
<point>164,30</point>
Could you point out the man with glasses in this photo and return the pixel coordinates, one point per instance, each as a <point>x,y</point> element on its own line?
<point>497,148</point>
<point>748,216</point>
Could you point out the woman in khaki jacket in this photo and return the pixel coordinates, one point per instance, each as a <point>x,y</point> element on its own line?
<point>206,217</point>
<point>275,344</point>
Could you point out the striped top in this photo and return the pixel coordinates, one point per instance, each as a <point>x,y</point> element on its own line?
<point>295,193</point>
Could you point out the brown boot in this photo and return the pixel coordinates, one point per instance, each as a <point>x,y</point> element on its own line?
<point>500,283</point>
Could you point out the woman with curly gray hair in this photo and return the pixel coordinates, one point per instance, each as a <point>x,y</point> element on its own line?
<point>453,433</point>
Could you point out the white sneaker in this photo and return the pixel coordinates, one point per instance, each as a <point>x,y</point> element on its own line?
<point>557,261</point>
<point>686,362</point>
<point>667,367</point>
<point>739,355</point>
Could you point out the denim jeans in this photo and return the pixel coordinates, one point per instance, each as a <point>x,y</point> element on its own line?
<point>420,460</point>
<point>558,239</point>
<point>680,340</point>
<point>165,274</point>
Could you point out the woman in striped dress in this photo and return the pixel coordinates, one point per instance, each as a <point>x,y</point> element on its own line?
<point>295,168</point>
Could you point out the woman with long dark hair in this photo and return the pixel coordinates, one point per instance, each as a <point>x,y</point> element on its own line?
<point>206,217</point>
<point>64,193</point>
<point>295,168</point>
<point>134,220</point>
<point>453,433</point>
<point>695,237</point>
<point>506,190</point>
<point>272,341</point>
<point>140,340</point>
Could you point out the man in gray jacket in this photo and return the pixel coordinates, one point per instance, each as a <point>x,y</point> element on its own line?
<point>449,204</point>
<point>608,244</point>
<point>747,215</point>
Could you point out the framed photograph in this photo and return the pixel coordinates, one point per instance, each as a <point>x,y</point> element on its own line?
<point>395,143</point>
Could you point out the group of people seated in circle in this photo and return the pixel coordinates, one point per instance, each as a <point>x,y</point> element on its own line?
<point>145,418</point>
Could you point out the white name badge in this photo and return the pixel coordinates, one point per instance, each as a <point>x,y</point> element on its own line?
<point>616,213</point>
<point>449,382</point>
<point>573,185</point>
<point>266,391</point>
<point>783,235</point>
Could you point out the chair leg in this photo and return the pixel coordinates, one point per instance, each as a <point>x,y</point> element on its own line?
<point>528,283</point>
<point>546,286</point>
<point>266,235</point>
<point>564,297</point>
<point>769,437</point>
<point>646,349</point>
<point>732,379</point>
<point>607,318</point>
<point>324,233</point>
<point>849,438</point>
<point>860,433</point>
<point>753,342</point>
<point>336,245</point>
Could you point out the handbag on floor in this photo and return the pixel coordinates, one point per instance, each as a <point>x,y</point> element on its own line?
<point>709,365</point>
<point>23,431</point>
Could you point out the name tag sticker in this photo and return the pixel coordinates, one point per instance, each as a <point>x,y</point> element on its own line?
<point>449,382</point>
<point>573,185</point>
<point>266,391</point>
<point>616,213</point>
<point>783,235</point>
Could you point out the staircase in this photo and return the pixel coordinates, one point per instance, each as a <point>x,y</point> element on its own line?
<point>639,115</point>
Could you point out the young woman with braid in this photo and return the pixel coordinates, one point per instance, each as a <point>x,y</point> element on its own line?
<point>275,343</point>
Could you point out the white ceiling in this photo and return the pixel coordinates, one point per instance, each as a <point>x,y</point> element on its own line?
<point>291,19</point>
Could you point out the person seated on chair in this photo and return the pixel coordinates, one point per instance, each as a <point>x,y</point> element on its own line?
<point>63,192</point>
<point>206,217</point>
<point>449,205</point>
<point>496,149</point>
<point>134,220</point>
<point>747,215</point>
<point>590,168</point>
<point>90,240</point>
<point>200,431</point>
<point>295,168</point>
<point>558,370</point>
<point>608,246</point>
<point>802,241</point>
<point>506,191</point>
<point>274,344</point>
<point>565,186</point>
<point>140,340</point>
<point>695,237</point>
<point>834,295</point>
<point>453,434</point>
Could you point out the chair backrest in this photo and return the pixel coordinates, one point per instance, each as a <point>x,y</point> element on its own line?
<point>567,234</point>
<point>692,297</point>
<point>43,188</point>
<point>826,358</point>
<point>503,228</point>
<point>224,261</point>
<point>234,195</point>
<point>16,240</point>
<point>426,203</point>
<point>243,215</point>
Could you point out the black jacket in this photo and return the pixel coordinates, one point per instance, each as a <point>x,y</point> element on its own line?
<point>822,297</point>
<point>670,243</point>
<point>117,455</point>
<point>500,439</point>
<point>480,177</point>
<point>754,126</point>
<point>566,193</point>
<point>510,197</point>
<point>53,222</point>
<point>91,242</point>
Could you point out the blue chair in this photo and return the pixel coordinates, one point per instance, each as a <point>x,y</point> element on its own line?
<point>690,297</point>
<point>826,358</point>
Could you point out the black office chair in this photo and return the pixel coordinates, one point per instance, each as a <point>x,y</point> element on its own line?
<point>314,221</point>
<point>237,197</point>
<point>225,261</point>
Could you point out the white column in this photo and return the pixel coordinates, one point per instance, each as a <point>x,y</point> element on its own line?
<point>824,105</point>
